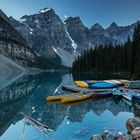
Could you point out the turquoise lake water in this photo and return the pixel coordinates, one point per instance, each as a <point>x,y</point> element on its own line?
<point>27,94</point>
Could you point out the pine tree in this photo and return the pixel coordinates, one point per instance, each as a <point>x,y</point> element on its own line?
<point>135,63</point>
<point>110,58</point>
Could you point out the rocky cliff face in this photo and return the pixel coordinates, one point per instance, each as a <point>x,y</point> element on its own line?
<point>58,43</point>
<point>119,33</point>
<point>13,46</point>
<point>46,34</point>
<point>97,35</point>
<point>78,32</point>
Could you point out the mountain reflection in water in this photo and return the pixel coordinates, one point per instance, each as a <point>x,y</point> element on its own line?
<point>28,94</point>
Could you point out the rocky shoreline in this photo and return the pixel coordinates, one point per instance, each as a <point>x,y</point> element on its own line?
<point>133,128</point>
<point>107,135</point>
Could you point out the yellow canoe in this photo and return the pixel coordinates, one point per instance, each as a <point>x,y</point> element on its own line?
<point>76,102</point>
<point>54,98</point>
<point>53,102</point>
<point>59,97</point>
<point>76,97</point>
<point>81,84</point>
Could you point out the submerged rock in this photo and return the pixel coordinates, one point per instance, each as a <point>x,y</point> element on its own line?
<point>96,137</point>
<point>106,135</point>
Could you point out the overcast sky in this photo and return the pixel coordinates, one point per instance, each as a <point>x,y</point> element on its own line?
<point>123,12</point>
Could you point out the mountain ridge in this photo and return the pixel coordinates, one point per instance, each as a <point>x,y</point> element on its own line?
<point>63,41</point>
<point>14,48</point>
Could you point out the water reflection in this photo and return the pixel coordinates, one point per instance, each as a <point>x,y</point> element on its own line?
<point>28,95</point>
<point>18,89</point>
<point>12,99</point>
<point>8,113</point>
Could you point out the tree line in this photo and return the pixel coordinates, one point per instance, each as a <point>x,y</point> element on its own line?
<point>112,58</point>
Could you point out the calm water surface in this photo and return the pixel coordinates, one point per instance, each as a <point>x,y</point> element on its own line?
<point>74,122</point>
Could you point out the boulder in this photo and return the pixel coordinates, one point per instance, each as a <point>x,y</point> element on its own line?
<point>132,123</point>
<point>107,135</point>
<point>135,134</point>
<point>122,138</point>
<point>96,137</point>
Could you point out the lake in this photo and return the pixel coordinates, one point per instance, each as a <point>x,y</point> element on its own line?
<point>27,94</point>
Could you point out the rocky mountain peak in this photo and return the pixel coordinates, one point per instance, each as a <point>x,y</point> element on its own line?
<point>113,25</point>
<point>43,15</point>
<point>96,26</point>
<point>55,41</point>
<point>45,10</point>
<point>74,21</point>
<point>13,46</point>
<point>78,32</point>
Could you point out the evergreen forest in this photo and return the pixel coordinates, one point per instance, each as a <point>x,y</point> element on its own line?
<point>121,58</point>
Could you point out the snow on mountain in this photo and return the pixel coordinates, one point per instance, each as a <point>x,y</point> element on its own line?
<point>74,45</point>
<point>44,10</point>
<point>66,57</point>
<point>45,31</point>
<point>52,38</point>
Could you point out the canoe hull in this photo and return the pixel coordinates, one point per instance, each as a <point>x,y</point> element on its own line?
<point>101,95</point>
<point>103,85</point>
<point>99,84</point>
<point>84,97</point>
<point>54,98</point>
<point>76,98</point>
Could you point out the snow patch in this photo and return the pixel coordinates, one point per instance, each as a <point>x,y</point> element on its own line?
<point>31,33</point>
<point>36,21</point>
<point>22,20</point>
<point>44,10</point>
<point>66,58</point>
<point>74,45</point>
<point>55,49</point>
<point>31,29</point>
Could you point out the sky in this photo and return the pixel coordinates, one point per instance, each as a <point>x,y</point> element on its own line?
<point>123,12</point>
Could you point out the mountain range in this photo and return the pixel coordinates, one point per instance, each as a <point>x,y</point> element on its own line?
<point>15,53</point>
<point>57,43</point>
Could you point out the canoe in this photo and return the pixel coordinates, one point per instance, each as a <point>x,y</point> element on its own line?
<point>84,96</point>
<point>54,98</point>
<point>53,102</point>
<point>76,97</point>
<point>82,84</point>
<point>59,97</point>
<point>99,84</point>
<point>95,96</point>
<point>76,103</point>
<point>74,88</point>
<point>103,84</point>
